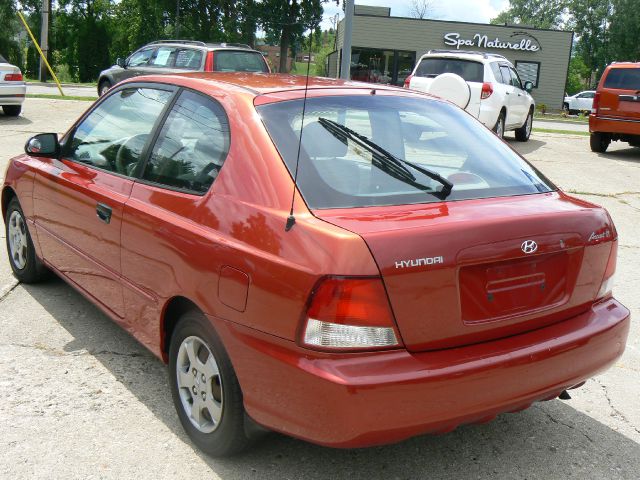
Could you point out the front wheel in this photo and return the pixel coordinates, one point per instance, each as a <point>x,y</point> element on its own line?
<point>599,142</point>
<point>204,387</point>
<point>26,266</point>
<point>524,132</point>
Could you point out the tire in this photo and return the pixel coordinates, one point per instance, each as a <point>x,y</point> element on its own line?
<point>12,110</point>
<point>104,87</point>
<point>524,132</point>
<point>599,142</point>
<point>498,128</point>
<point>221,394</point>
<point>25,264</point>
<point>565,107</point>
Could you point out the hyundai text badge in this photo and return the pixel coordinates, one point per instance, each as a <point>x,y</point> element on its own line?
<point>529,246</point>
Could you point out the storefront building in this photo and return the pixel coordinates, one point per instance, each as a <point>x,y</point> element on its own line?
<point>385,49</point>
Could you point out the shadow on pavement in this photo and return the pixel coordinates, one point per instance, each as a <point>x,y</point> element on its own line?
<point>551,440</point>
<point>630,154</point>
<point>524,148</point>
<point>20,120</point>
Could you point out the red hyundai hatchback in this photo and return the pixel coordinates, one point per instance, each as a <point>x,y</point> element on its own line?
<point>417,275</point>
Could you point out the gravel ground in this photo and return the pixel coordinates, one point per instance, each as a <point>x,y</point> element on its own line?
<point>82,399</point>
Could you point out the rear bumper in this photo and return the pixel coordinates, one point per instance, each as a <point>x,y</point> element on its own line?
<point>623,126</point>
<point>12,94</point>
<point>363,400</point>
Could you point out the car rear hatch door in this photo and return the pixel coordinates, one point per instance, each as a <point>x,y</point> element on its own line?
<point>470,71</point>
<point>464,272</point>
<point>620,95</point>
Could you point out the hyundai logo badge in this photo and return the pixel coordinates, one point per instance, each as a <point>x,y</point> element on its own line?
<point>529,246</point>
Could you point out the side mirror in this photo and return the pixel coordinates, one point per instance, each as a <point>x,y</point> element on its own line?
<point>43,145</point>
<point>528,86</point>
<point>121,62</point>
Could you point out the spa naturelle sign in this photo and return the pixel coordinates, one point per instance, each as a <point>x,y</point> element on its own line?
<point>523,42</point>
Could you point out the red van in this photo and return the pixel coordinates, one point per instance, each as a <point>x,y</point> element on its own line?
<point>616,107</point>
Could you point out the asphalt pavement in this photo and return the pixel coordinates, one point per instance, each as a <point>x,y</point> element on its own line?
<point>82,399</point>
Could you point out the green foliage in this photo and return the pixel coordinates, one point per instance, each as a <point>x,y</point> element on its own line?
<point>579,76</point>
<point>624,31</point>
<point>536,13</point>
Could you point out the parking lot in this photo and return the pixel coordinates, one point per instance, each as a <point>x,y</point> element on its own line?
<point>82,399</point>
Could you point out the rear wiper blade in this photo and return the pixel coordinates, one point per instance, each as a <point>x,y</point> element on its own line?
<point>386,160</point>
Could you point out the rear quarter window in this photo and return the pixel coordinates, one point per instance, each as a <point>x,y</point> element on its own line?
<point>623,79</point>
<point>469,70</point>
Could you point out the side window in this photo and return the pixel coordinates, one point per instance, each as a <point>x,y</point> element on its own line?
<point>164,57</point>
<point>515,79</point>
<point>192,145</point>
<point>188,58</point>
<point>140,58</point>
<point>589,95</point>
<point>496,72</point>
<point>506,74</point>
<point>113,135</point>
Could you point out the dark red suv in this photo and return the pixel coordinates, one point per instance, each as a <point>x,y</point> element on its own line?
<point>616,107</point>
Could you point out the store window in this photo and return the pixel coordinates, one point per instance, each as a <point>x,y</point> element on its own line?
<point>529,72</point>
<point>381,66</point>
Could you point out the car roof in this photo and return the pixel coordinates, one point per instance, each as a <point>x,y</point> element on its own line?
<point>262,83</point>
<point>624,65</point>
<point>196,43</point>
<point>484,56</point>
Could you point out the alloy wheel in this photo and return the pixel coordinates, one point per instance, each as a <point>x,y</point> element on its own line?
<point>17,233</point>
<point>199,384</point>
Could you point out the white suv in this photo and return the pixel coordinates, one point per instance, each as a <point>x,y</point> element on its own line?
<point>485,84</point>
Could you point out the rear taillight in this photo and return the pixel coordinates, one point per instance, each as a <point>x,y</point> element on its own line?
<point>596,103</point>
<point>13,77</point>
<point>407,81</point>
<point>487,90</point>
<point>349,313</point>
<point>208,62</point>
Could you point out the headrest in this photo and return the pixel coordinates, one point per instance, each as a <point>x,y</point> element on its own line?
<point>318,142</point>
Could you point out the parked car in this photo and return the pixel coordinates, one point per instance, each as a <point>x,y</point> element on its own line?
<point>174,56</point>
<point>342,290</point>
<point>12,88</point>
<point>580,102</point>
<point>494,92</point>
<point>616,107</point>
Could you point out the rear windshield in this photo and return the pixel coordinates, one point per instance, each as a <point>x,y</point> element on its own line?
<point>623,79</point>
<point>469,70</point>
<point>338,169</point>
<point>3,60</point>
<point>235,61</point>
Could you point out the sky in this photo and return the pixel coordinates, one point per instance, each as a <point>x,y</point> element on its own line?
<point>479,11</point>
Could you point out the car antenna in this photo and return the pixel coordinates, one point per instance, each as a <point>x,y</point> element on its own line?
<point>291,220</point>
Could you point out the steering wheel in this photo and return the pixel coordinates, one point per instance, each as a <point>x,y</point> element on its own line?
<point>129,152</point>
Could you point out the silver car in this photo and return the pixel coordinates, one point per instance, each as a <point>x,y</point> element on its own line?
<point>12,88</point>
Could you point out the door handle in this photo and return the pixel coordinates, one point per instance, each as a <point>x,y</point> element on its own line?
<point>104,212</point>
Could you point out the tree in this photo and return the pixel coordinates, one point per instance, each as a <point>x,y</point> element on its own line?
<point>536,13</point>
<point>421,9</point>
<point>8,45</point>
<point>624,31</point>
<point>590,21</point>
<point>287,20</point>
<point>579,76</point>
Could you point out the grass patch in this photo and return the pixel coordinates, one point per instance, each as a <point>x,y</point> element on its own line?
<point>562,132</point>
<point>60,97</point>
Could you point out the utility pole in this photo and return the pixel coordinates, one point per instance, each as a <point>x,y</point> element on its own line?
<point>44,39</point>
<point>345,63</point>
